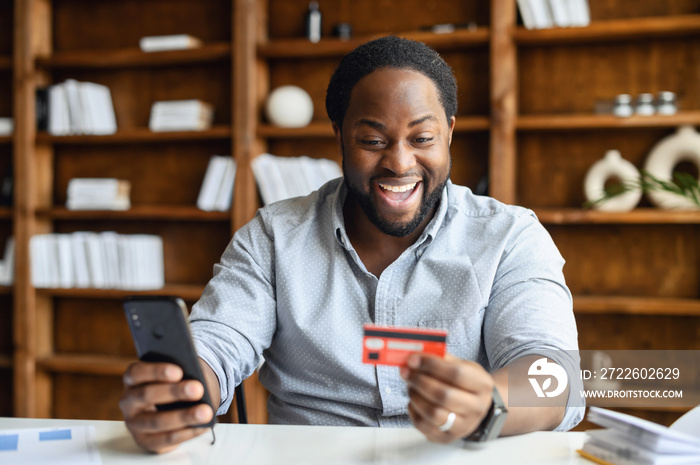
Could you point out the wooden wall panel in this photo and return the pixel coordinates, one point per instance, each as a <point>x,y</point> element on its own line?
<point>552,166</point>
<point>620,9</point>
<point>570,79</point>
<point>654,261</point>
<point>369,17</point>
<point>81,25</point>
<point>135,90</point>
<point>191,248</point>
<point>160,174</point>
<point>620,332</point>
<point>87,397</point>
<point>6,29</point>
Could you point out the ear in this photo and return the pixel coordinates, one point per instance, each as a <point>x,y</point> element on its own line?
<point>451,129</point>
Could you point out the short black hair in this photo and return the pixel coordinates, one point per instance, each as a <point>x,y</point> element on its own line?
<point>389,52</point>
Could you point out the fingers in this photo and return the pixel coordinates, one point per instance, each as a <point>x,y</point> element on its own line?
<point>147,385</point>
<point>438,387</point>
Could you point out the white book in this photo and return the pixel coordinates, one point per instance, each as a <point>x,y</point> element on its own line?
<point>560,12</point>
<point>526,14</point>
<point>95,258</point>
<point>65,260</point>
<point>126,270</point>
<point>8,263</point>
<point>156,268</point>
<point>110,248</point>
<point>75,111</point>
<point>80,260</point>
<point>225,194</point>
<point>35,260</point>
<point>169,42</point>
<point>59,119</point>
<point>213,177</point>
<point>7,126</point>
<point>541,14</point>
<point>99,100</point>
<point>579,12</point>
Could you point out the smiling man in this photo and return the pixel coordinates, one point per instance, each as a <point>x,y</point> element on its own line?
<point>392,243</point>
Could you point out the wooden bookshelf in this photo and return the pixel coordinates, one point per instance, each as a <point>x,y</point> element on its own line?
<point>566,122</point>
<point>134,57</point>
<point>526,123</point>
<point>578,216</point>
<point>139,212</point>
<point>139,135</point>
<point>610,30</point>
<point>635,305</point>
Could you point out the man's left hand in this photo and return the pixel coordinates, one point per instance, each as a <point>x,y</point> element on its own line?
<point>440,386</point>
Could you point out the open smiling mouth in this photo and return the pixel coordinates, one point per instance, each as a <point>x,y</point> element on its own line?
<point>397,195</point>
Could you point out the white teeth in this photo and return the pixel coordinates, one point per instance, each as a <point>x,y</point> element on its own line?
<point>404,188</point>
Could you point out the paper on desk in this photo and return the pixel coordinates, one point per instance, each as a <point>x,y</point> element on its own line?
<point>71,446</point>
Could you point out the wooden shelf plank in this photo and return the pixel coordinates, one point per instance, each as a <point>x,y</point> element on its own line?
<point>638,216</point>
<point>6,290</point>
<point>138,135</point>
<point>134,57</point>
<point>324,128</point>
<point>5,362</point>
<point>188,292</point>
<point>5,213</point>
<point>5,62</point>
<point>85,364</point>
<point>593,121</point>
<point>636,305</point>
<point>5,139</point>
<point>612,30</point>
<point>137,212</point>
<point>302,48</point>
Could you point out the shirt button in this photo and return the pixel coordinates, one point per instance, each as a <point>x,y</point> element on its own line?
<point>387,390</point>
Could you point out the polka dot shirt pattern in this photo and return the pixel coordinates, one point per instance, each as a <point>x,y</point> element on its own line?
<point>291,290</point>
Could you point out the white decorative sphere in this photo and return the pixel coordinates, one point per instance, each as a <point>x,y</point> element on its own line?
<point>289,107</point>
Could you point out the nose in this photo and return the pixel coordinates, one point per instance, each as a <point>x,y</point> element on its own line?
<point>398,158</point>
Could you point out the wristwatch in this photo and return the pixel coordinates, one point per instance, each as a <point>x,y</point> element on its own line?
<point>491,425</point>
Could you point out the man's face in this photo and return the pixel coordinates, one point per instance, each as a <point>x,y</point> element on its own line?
<point>395,141</point>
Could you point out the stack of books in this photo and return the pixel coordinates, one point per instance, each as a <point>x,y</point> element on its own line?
<point>169,42</point>
<point>7,126</point>
<point>544,14</point>
<point>73,108</point>
<point>98,194</point>
<point>181,115</point>
<point>281,178</point>
<point>7,264</point>
<point>105,260</point>
<point>629,440</point>
<point>217,188</point>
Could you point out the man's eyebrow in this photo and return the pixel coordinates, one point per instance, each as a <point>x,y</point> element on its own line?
<point>370,123</point>
<point>421,120</point>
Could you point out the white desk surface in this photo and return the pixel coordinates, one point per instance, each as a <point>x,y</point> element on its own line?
<point>276,444</point>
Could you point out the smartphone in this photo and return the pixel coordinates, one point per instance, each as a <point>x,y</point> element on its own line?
<point>160,330</point>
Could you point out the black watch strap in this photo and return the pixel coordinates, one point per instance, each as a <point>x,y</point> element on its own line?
<point>492,423</point>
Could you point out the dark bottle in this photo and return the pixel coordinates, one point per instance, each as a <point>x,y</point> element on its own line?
<point>313,22</point>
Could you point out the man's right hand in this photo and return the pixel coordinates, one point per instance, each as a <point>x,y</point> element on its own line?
<point>149,384</point>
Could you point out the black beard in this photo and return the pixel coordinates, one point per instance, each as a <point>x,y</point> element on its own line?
<point>429,201</point>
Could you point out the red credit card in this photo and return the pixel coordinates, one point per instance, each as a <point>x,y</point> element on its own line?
<point>390,345</point>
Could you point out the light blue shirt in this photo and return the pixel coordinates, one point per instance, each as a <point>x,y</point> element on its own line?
<point>291,288</point>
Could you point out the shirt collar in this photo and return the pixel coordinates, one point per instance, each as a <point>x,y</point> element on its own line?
<point>429,232</point>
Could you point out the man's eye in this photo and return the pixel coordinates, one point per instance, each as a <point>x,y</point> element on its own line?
<point>423,140</point>
<point>371,142</point>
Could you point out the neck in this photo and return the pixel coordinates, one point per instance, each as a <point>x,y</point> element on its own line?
<point>376,249</point>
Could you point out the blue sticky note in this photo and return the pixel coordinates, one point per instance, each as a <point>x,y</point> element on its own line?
<point>55,435</point>
<point>9,442</point>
